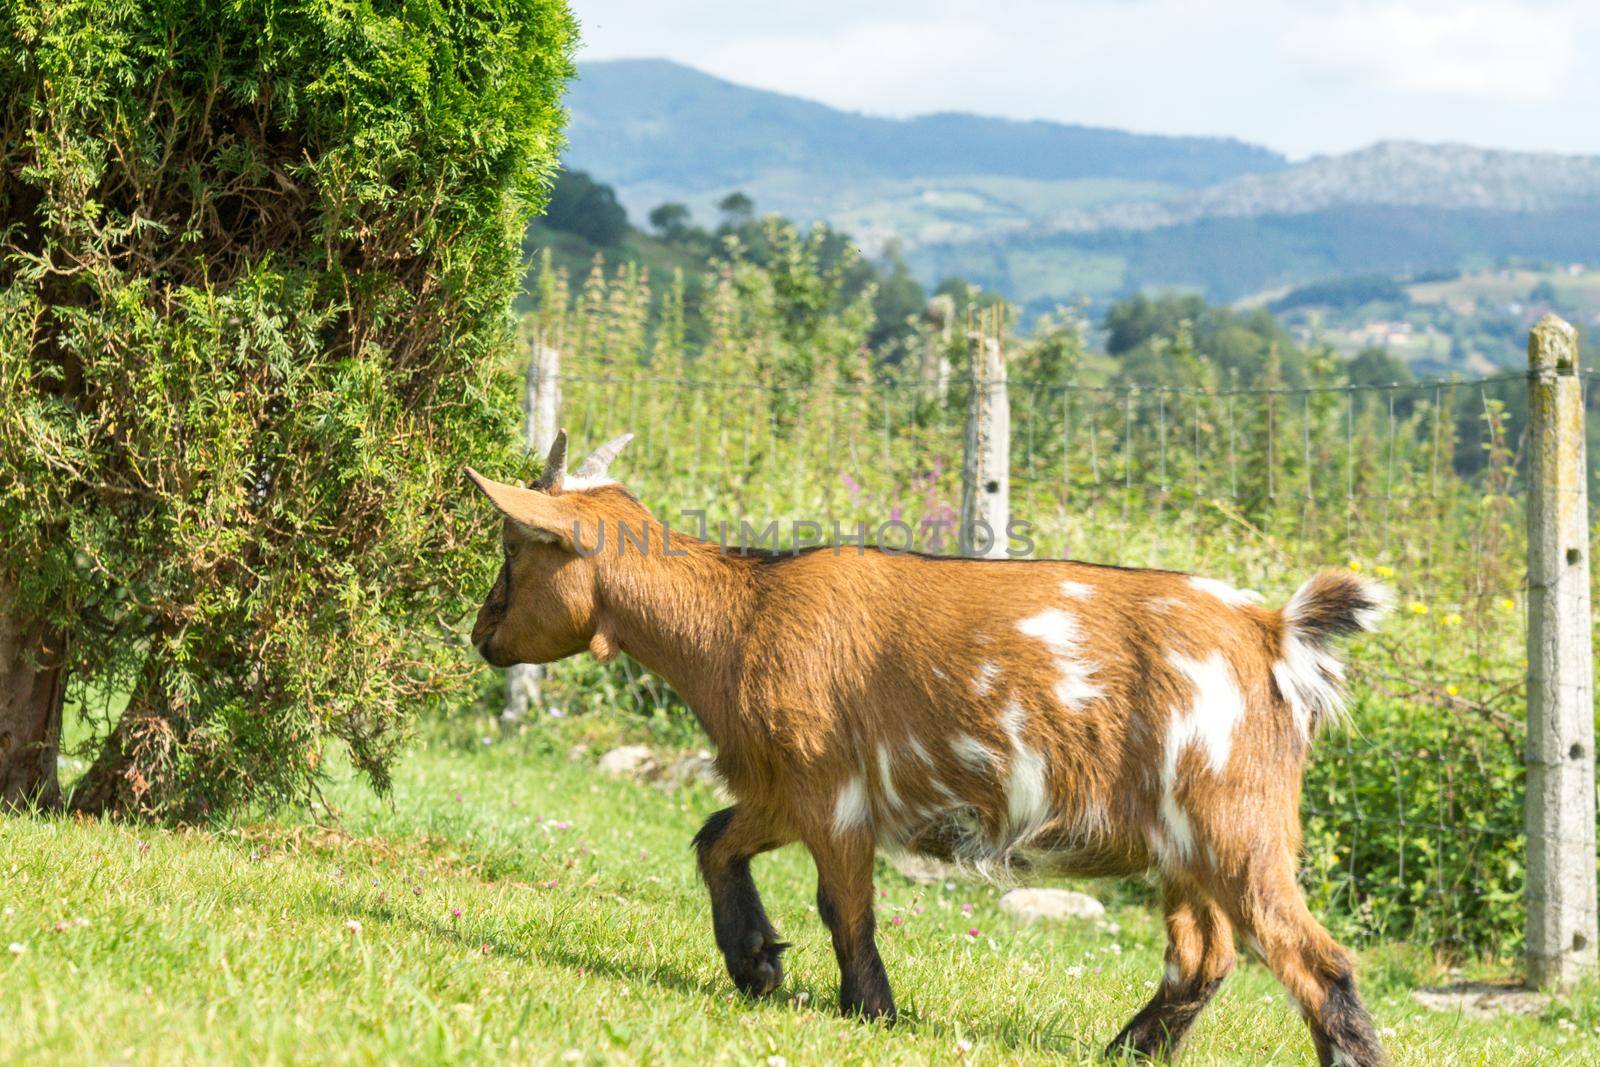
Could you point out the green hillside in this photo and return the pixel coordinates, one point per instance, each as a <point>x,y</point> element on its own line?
<point>1046,213</point>
<point>1227,258</point>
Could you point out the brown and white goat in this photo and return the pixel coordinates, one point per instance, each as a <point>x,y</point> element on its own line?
<point>1042,716</point>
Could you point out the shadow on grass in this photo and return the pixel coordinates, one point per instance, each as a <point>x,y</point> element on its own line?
<point>552,951</point>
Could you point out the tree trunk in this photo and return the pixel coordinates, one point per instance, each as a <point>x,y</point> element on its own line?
<point>32,684</point>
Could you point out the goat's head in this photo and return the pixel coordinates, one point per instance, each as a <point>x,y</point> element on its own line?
<point>545,604</point>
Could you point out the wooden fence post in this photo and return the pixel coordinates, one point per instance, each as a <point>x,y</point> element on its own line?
<point>1560,813</point>
<point>986,470</point>
<point>541,405</point>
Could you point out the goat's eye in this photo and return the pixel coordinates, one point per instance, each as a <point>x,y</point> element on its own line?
<point>511,549</point>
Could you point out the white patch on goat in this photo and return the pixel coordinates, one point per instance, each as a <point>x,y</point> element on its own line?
<point>1215,709</point>
<point>971,751</point>
<point>1311,681</point>
<point>1077,590</point>
<point>1027,791</point>
<point>1059,632</point>
<point>886,779</point>
<point>919,750</point>
<point>1309,677</point>
<point>937,673</point>
<point>1174,973</point>
<point>987,673</point>
<point>851,810</point>
<point>1226,593</point>
<point>578,485</point>
<point>1162,604</point>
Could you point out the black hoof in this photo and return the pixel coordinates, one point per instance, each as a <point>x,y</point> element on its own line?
<point>869,1012</point>
<point>759,971</point>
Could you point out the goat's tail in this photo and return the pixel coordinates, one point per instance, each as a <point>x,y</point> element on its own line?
<point>1327,606</point>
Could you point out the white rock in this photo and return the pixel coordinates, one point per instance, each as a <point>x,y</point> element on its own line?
<point>1482,1000</point>
<point>629,761</point>
<point>1050,905</point>
<point>693,767</point>
<point>923,870</point>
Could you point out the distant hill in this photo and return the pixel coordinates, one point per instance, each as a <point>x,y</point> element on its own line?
<point>1389,174</point>
<point>658,131</point>
<point>1044,212</point>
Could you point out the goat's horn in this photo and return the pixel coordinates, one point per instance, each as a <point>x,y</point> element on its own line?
<point>555,464</point>
<point>600,459</point>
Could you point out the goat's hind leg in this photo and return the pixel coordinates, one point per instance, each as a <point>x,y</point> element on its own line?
<point>1199,956</point>
<point>1267,905</point>
<point>724,846</point>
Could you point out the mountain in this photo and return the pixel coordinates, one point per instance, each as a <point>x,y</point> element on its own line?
<point>1402,174</point>
<point>658,131</point>
<point>1045,212</point>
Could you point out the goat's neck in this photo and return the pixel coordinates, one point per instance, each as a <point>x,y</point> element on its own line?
<point>683,617</point>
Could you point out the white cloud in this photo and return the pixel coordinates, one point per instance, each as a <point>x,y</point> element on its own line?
<point>1496,49</point>
<point>1300,75</point>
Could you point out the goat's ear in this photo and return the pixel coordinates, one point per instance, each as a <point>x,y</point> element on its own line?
<point>539,513</point>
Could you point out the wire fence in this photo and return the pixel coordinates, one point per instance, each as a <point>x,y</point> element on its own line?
<point>1414,819</point>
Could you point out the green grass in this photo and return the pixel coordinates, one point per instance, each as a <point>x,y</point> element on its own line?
<point>582,936</point>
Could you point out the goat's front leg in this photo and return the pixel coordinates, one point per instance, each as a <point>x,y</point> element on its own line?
<point>844,900</point>
<point>725,845</point>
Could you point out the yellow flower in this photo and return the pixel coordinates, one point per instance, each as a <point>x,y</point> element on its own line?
<point>1451,619</point>
<point>1355,565</point>
<point>1508,604</point>
<point>1383,572</point>
<point>1452,690</point>
<point>1417,607</point>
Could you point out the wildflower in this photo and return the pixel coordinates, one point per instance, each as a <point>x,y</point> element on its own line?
<point>486,949</point>
<point>1417,607</point>
<point>1507,604</point>
<point>353,925</point>
<point>1075,971</point>
<point>416,890</point>
<point>1383,572</point>
<point>1452,690</point>
<point>1386,1032</point>
<point>455,913</point>
<point>963,1046</point>
<point>1355,565</point>
<point>1451,619</point>
<point>777,1061</point>
<point>966,908</point>
<point>802,997</point>
<point>18,948</point>
<point>572,1055</point>
<point>898,920</point>
<point>973,932</point>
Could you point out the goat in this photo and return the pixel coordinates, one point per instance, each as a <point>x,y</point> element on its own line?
<point>1018,716</point>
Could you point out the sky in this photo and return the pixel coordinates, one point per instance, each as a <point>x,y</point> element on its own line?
<point>1301,76</point>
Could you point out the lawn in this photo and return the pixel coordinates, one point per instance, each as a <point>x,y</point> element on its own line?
<point>513,905</point>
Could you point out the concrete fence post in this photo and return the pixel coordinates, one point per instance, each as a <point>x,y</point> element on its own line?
<point>939,319</point>
<point>541,407</point>
<point>1560,813</point>
<point>986,470</point>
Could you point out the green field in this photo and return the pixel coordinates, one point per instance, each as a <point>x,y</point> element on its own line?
<point>512,905</point>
